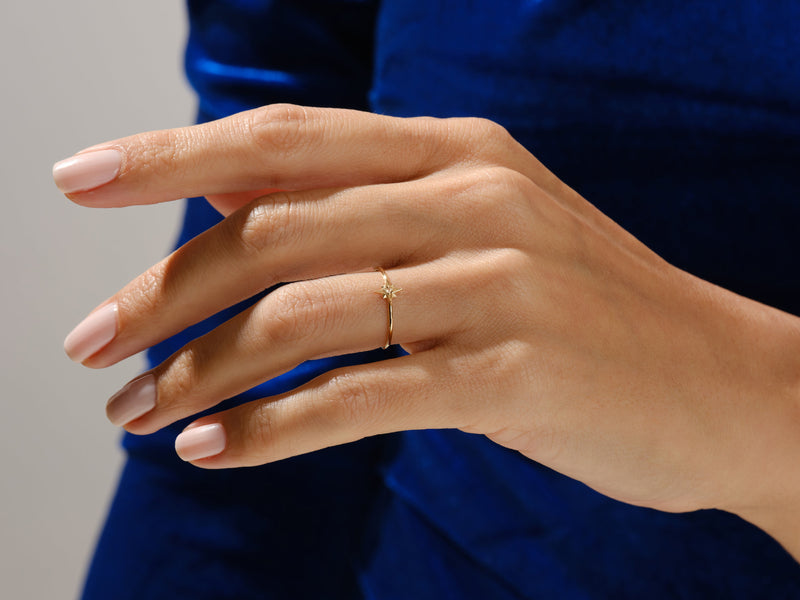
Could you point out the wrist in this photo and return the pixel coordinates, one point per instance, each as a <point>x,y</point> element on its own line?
<point>774,502</point>
<point>760,475</point>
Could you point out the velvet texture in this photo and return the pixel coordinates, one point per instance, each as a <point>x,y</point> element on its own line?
<point>679,120</point>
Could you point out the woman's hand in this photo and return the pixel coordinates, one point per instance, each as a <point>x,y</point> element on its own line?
<point>529,316</point>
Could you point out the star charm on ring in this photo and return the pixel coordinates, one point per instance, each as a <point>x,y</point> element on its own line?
<point>389,291</point>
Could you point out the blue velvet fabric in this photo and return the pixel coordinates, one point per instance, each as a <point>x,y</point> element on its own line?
<point>679,120</point>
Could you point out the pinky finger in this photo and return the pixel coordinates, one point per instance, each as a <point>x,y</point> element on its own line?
<point>341,406</point>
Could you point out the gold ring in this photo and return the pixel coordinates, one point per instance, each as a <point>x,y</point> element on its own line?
<point>388,291</point>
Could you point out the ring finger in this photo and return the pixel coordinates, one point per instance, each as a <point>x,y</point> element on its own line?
<point>297,322</point>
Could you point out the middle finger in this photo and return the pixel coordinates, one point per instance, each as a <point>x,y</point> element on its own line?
<point>287,236</point>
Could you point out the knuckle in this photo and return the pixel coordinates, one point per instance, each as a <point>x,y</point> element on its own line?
<point>267,224</point>
<point>516,192</point>
<point>295,313</point>
<point>500,273</point>
<point>506,266</point>
<point>514,182</point>
<point>180,379</point>
<point>511,370</point>
<point>497,195</point>
<point>483,134</point>
<point>504,183</point>
<point>145,296</point>
<point>259,427</point>
<point>488,129</point>
<point>354,401</point>
<point>427,140</point>
<point>279,129</point>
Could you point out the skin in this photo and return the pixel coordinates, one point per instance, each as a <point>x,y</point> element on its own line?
<point>530,317</point>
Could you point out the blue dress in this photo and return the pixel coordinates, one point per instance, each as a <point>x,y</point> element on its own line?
<point>680,120</point>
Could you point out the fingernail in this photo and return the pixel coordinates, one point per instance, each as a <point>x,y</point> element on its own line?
<point>200,442</point>
<point>92,334</point>
<point>87,170</point>
<point>134,400</point>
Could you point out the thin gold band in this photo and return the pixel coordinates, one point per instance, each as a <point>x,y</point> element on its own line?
<point>388,291</point>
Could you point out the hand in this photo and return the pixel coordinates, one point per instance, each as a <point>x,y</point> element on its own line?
<point>529,316</point>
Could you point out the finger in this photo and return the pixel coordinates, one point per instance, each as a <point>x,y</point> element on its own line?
<point>335,315</point>
<point>411,392</point>
<point>283,237</point>
<point>294,147</point>
<point>277,146</point>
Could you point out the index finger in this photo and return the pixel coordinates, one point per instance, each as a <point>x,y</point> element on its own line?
<point>278,146</point>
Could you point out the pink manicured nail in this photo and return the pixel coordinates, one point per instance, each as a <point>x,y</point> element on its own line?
<point>87,170</point>
<point>200,442</point>
<point>92,334</point>
<point>132,401</point>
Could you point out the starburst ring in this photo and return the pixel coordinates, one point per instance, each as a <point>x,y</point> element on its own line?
<point>388,292</point>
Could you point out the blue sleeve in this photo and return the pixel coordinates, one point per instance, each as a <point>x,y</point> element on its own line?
<point>247,53</point>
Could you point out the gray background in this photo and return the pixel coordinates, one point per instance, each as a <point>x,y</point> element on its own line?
<point>73,74</point>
